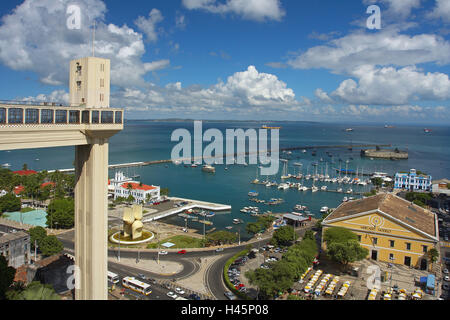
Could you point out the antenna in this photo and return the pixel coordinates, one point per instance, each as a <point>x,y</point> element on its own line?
<point>93,40</point>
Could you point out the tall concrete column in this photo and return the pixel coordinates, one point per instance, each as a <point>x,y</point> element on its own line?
<point>91,219</point>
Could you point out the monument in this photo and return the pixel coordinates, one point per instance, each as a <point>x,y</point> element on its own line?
<point>132,222</point>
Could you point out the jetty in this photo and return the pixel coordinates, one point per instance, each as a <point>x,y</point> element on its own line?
<point>190,204</point>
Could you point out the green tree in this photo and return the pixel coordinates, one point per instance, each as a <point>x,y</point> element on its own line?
<point>309,234</point>
<point>164,192</point>
<point>61,213</point>
<point>37,234</point>
<point>10,203</point>
<point>284,236</point>
<point>34,291</point>
<point>339,235</point>
<point>346,252</point>
<point>221,237</point>
<point>253,228</point>
<point>433,255</point>
<point>50,245</point>
<point>377,182</point>
<point>6,276</point>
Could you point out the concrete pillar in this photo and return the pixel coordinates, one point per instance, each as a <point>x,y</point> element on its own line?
<point>91,219</point>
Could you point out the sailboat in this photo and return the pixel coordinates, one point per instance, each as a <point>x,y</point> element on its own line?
<point>285,174</point>
<point>256,181</point>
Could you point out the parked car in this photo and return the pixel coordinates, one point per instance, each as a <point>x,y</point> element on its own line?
<point>445,286</point>
<point>182,252</point>
<point>219,249</point>
<point>172,295</point>
<point>230,295</point>
<point>194,296</point>
<point>142,276</point>
<point>446,278</point>
<point>445,271</point>
<point>163,252</point>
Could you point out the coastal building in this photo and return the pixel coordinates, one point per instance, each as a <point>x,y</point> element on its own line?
<point>142,193</point>
<point>123,186</point>
<point>25,172</point>
<point>441,187</point>
<point>15,247</point>
<point>412,181</point>
<point>392,229</point>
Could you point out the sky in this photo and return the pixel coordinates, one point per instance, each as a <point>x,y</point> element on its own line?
<point>239,59</point>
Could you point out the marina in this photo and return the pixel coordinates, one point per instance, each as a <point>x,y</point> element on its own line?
<point>345,174</point>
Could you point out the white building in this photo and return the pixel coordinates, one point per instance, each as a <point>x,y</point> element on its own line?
<point>122,186</point>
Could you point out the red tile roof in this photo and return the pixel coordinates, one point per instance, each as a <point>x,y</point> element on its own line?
<point>45,184</point>
<point>19,189</point>
<point>135,186</point>
<point>25,172</point>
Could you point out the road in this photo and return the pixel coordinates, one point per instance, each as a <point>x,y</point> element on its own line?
<point>213,278</point>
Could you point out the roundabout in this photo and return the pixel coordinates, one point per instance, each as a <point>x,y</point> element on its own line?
<point>118,238</point>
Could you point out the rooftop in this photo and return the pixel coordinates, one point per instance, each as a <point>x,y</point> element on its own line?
<point>137,186</point>
<point>25,172</point>
<point>392,205</point>
<point>7,237</point>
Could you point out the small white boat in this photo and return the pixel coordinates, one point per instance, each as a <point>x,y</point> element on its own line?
<point>314,189</point>
<point>6,165</point>
<point>323,188</point>
<point>324,209</point>
<point>283,186</point>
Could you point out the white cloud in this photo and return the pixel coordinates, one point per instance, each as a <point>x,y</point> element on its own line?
<point>391,86</point>
<point>34,37</point>
<point>322,95</point>
<point>386,47</point>
<point>60,96</point>
<point>258,10</point>
<point>397,8</point>
<point>148,26</point>
<point>247,91</point>
<point>441,10</point>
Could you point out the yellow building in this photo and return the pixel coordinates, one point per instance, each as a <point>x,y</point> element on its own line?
<point>391,228</point>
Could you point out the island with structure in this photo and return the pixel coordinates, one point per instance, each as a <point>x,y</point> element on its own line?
<point>394,154</point>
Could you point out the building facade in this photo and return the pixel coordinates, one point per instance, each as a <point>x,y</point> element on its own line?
<point>391,228</point>
<point>15,247</point>
<point>412,181</point>
<point>142,193</point>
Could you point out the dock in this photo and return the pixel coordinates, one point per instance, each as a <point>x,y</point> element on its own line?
<point>191,204</point>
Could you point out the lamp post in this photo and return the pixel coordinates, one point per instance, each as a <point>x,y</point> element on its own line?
<point>120,234</point>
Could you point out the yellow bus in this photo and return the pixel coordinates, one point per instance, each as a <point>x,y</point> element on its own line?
<point>136,285</point>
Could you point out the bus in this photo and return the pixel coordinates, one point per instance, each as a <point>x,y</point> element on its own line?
<point>112,277</point>
<point>136,285</point>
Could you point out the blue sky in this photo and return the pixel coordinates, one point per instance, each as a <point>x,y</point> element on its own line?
<point>236,59</point>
